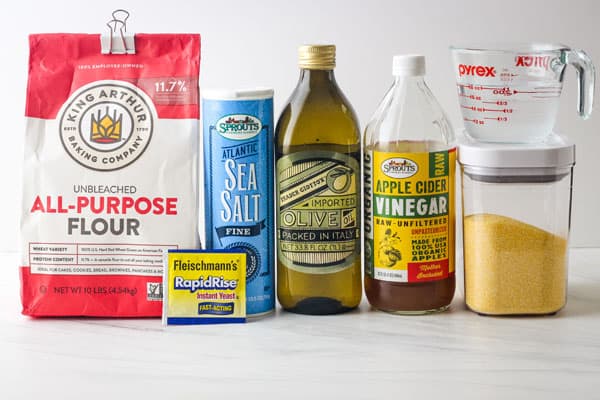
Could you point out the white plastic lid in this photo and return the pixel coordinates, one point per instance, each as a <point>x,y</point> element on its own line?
<point>238,94</point>
<point>555,151</point>
<point>408,65</point>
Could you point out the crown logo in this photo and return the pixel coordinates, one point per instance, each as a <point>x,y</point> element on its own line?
<point>106,129</point>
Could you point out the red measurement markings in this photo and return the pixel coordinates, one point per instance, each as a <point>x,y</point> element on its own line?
<point>499,119</point>
<point>502,91</point>
<point>551,91</point>
<point>470,86</point>
<point>502,110</point>
<point>483,109</point>
<point>470,96</point>
<point>497,102</point>
<point>474,121</point>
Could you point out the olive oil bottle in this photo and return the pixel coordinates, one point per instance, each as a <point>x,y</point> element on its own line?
<point>317,143</point>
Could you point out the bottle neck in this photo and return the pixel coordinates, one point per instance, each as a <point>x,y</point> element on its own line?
<point>316,77</point>
<point>408,79</point>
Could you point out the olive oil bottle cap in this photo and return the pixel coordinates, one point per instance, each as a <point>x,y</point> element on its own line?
<point>408,65</point>
<point>316,56</point>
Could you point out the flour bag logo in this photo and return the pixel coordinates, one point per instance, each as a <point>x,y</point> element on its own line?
<point>107,125</point>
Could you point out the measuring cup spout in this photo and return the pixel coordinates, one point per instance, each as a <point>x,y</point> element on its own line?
<point>586,77</point>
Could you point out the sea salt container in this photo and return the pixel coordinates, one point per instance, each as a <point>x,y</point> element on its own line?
<point>516,220</point>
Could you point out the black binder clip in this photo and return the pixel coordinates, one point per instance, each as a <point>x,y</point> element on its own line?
<point>118,40</point>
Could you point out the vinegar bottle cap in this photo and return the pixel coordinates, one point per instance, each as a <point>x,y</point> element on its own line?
<point>408,65</point>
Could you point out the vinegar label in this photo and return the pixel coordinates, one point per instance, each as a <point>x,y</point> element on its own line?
<point>409,215</point>
<point>318,211</point>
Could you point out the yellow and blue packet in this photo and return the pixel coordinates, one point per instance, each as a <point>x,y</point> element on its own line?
<point>204,287</point>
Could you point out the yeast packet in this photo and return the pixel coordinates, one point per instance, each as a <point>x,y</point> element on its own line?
<point>204,287</point>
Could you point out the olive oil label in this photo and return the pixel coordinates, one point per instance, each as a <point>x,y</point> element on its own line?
<point>409,215</point>
<point>318,211</point>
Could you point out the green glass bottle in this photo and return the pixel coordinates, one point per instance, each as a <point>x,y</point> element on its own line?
<point>317,143</point>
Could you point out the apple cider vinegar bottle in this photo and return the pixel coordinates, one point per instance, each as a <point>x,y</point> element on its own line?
<point>409,166</point>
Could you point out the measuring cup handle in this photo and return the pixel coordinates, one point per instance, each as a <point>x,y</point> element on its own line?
<point>586,77</point>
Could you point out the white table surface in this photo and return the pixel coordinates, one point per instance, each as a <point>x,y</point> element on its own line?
<point>362,354</point>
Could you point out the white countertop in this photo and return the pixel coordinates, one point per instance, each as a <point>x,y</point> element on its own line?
<point>362,354</point>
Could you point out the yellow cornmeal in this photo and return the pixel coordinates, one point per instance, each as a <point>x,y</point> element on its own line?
<point>512,267</point>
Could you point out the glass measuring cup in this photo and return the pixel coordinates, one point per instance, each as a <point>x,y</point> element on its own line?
<point>510,94</point>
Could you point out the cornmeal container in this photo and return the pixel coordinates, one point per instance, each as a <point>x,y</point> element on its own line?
<point>516,219</point>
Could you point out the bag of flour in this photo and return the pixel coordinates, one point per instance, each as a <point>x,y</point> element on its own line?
<point>110,172</point>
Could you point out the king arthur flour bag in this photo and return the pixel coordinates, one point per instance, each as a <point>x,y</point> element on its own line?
<point>110,172</point>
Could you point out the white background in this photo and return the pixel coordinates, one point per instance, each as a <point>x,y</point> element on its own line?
<point>248,43</point>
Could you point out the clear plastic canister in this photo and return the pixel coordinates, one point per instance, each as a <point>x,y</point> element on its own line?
<point>516,220</point>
